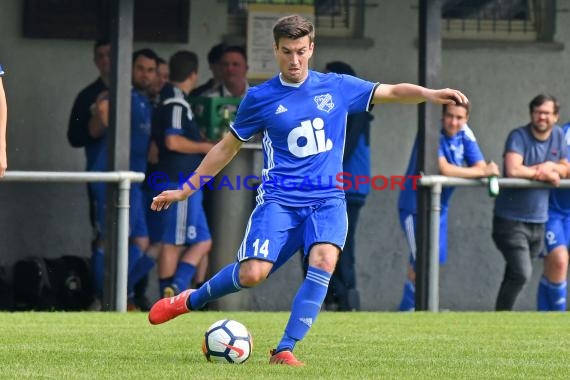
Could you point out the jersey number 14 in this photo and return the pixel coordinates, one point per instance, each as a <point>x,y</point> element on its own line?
<point>263,249</point>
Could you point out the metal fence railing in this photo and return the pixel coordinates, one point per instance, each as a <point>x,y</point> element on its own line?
<point>124,179</point>
<point>436,183</point>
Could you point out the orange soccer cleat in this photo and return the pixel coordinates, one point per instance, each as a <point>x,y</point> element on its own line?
<point>284,357</point>
<point>169,308</point>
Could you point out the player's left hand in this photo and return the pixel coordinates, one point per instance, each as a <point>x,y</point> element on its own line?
<point>166,198</point>
<point>447,96</point>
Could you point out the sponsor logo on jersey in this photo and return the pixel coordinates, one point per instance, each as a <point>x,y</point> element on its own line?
<point>309,139</point>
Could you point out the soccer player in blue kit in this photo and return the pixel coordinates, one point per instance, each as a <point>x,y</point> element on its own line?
<point>552,288</point>
<point>459,155</point>
<point>302,116</point>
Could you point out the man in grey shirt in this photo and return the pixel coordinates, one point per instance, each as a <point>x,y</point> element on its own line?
<point>535,151</point>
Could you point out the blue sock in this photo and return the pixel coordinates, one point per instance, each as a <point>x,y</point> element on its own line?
<point>408,302</point>
<point>134,255</point>
<point>98,270</point>
<point>184,274</point>
<point>306,307</point>
<point>163,283</point>
<point>143,265</point>
<point>226,281</point>
<point>557,296</point>
<point>542,302</point>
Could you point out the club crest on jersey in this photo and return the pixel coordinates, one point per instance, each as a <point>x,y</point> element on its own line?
<point>309,139</point>
<point>324,102</point>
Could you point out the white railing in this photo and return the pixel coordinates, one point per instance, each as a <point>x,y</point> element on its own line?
<point>124,179</point>
<point>436,182</point>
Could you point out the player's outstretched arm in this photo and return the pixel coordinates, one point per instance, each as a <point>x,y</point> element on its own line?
<point>414,94</point>
<point>216,159</point>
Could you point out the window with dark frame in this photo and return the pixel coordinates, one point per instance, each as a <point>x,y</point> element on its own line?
<point>154,21</point>
<point>511,20</point>
<point>333,18</point>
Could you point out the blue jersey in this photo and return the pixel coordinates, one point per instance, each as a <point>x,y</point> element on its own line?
<point>141,111</point>
<point>560,198</point>
<point>304,127</point>
<point>1,70</point>
<point>460,149</point>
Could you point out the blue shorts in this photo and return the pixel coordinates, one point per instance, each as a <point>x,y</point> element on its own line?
<point>275,232</point>
<point>153,218</point>
<point>408,223</point>
<point>137,219</point>
<point>557,230</point>
<point>184,223</point>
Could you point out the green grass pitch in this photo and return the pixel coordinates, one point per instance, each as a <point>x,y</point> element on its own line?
<point>340,346</point>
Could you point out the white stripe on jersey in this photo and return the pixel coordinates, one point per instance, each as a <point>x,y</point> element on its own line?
<point>181,217</point>
<point>268,149</point>
<point>177,117</point>
<point>260,193</point>
<point>468,132</point>
<point>179,101</point>
<point>181,105</point>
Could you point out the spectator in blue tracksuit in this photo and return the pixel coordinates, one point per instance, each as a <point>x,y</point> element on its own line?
<point>459,155</point>
<point>143,76</point>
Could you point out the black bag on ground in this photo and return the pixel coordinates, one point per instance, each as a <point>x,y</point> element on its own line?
<point>52,284</point>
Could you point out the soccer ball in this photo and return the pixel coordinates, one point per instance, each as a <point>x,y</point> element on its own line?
<point>227,341</point>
